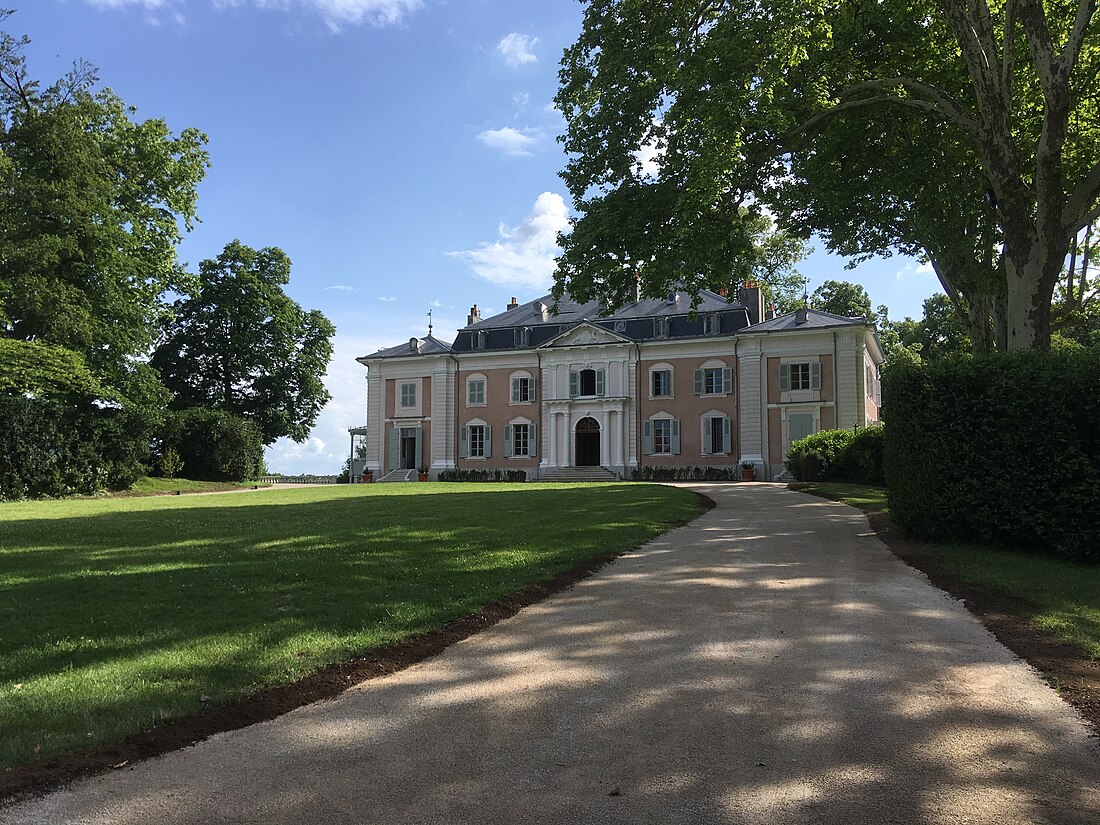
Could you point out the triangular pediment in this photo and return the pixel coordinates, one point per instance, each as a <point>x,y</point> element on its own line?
<point>586,334</point>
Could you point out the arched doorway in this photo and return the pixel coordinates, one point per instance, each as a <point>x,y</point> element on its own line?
<point>588,442</point>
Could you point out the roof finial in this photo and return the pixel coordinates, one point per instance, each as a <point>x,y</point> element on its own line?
<point>429,323</point>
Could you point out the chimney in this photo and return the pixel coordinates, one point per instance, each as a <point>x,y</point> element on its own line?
<point>474,316</point>
<point>752,298</point>
<point>513,305</point>
<point>770,313</point>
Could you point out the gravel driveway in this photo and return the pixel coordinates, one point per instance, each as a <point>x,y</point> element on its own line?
<point>771,662</point>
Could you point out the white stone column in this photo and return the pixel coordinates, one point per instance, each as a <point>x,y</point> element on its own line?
<point>567,442</point>
<point>553,439</point>
<point>605,440</point>
<point>752,390</point>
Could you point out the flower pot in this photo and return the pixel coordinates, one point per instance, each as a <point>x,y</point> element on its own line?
<point>748,475</point>
<point>422,476</point>
<point>368,478</point>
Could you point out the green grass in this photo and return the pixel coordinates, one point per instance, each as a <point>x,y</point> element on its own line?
<point>1064,597</point>
<point>118,613</point>
<point>150,486</point>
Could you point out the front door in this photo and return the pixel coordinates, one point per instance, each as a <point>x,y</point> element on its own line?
<point>799,425</point>
<point>588,443</point>
<point>408,448</point>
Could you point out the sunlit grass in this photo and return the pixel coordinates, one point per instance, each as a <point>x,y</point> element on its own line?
<point>118,613</point>
<point>1063,597</point>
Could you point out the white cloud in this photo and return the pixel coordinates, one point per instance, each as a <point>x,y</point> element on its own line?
<point>914,268</point>
<point>355,12</point>
<point>521,99</point>
<point>386,298</point>
<point>523,255</point>
<point>438,304</point>
<point>121,4</point>
<point>510,141</point>
<point>342,288</point>
<point>516,49</point>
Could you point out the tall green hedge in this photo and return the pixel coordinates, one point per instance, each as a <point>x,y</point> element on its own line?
<point>999,448</point>
<point>838,455</point>
<point>213,445</point>
<point>51,447</point>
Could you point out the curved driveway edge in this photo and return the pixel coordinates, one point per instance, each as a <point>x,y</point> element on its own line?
<point>771,662</point>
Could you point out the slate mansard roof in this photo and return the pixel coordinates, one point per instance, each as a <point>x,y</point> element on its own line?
<point>814,319</point>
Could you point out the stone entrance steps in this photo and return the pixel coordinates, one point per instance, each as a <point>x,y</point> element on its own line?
<point>578,474</point>
<point>397,475</point>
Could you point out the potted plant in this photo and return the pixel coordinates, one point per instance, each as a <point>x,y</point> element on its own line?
<point>368,476</point>
<point>748,471</point>
<point>422,473</point>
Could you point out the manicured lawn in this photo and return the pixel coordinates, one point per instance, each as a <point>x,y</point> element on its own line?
<point>149,486</point>
<point>117,613</point>
<point>1064,596</point>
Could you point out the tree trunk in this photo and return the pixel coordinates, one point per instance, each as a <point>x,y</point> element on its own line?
<point>1027,309</point>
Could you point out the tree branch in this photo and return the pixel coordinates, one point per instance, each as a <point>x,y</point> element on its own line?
<point>1008,51</point>
<point>1072,50</point>
<point>819,122</point>
<point>1081,207</point>
<point>1033,18</point>
<point>952,110</point>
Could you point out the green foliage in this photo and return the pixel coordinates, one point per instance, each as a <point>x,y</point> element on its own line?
<point>938,334</point>
<point>240,344</point>
<point>44,370</point>
<point>854,456</point>
<point>650,472</point>
<point>54,448</point>
<point>213,445</point>
<point>997,448</point>
<point>93,208</point>
<point>483,475</point>
<point>843,298</point>
<point>169,463</point>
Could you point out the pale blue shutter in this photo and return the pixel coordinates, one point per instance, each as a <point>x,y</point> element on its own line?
<point>707,435</point>
<point>601,383</point>
<point>395,449</point>
<point>676,436</point>
<point>727,380</point>
<point>532,389</point>
<point>784,377</point>
<point>515,390</point>
<point>699,385</point>
<point>488,441</point>
<point>532,443</point>
<point>574,384</point>
<point>727,435</point>
<point>507,440</point>
<point>815,376</point>
<point>463,442</point>
<point>419,447</point>
<point>647,437</point>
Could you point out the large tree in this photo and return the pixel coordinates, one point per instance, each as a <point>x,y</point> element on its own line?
<point>963,131</point>
<point>93,206</point>
<point>240,344</point>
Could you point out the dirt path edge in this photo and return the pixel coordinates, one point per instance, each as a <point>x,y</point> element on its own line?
<point>35,778</point>
<point>1066,669</point>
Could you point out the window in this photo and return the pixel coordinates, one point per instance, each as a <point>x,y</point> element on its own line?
<point>475,392</point>
<point>713,381</point>
<point>805,376</point>
<point>662,383</point>
<point>408,395</point>
<point>712,325</point>
<point>661,436</point>
<point>479,338</point>
<point>523,336</point>
<point>519,440</point>
<point>586,382</point>
<point>660,327</point>
<point>717,435</point>
<point>523,389</point>
<point>474,441</point>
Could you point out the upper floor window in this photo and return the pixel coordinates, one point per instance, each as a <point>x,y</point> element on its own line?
<point>800,376</point>
<point>660,327</point>
<point>523,389</point>
<point>586,382</point>
<point>408,395</point>
<point>479,339</point>
<point>475,392</point>
<point>662,383</point>
<point>523,336</point>
<point>713,381</point>
<point>711,324</point>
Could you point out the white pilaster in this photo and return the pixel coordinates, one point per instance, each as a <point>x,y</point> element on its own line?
<point>752,389</point>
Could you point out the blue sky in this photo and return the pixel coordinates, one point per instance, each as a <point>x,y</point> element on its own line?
<point>402,152</point>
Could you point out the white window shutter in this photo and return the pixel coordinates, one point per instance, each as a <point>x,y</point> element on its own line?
<point>463,442</point>
<point>815,376</point>
<point>532,395</point>
<point>727,435</point>
<point>785,377</point>
<point>507,440</point>
<point>488,441</point>
<point>574,383</point>
<point>727,380</point>
<point>515,389</point>
<point>601,382</point>
<point>647,437</point>
<point>699,385</point>
<point>707,435</point>
<point>676,436</point>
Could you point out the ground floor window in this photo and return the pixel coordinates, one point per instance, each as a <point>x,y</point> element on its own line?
<point>477,442</point>
<point>717,435</point>
<point>519,440</point>
<point>661,436</point>
<point>474,441</point>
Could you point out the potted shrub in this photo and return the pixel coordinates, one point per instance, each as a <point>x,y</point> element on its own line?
<point>748,471</point>
<point>422,473</point>
<point>368,476</point>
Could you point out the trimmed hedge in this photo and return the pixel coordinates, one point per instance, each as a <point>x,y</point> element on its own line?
<point>483,475</point>
<point>55,448</point>
<point>648,472</point>
<point>212,445</point>
<point>855,456</point>
<point>997,448</point>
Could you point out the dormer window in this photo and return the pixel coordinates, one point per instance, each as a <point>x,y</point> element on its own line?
<point>523,336</point>
<point>479,339</point>
<point>660,327</point>
<point>711,324</point>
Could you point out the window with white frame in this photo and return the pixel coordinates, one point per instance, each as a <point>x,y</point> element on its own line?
<point>408,395</point>
<point>474,441</point>
<point>587,382</point>
<point>479,339</point>
<point>661,386</point>
<point>711,325</point>
<point>800,376</point>
<point>475,392</point>
<point>519,440</point>
<point>523,336</point>
<point>713,380</point>
<point>717,435</point>
<point>660,327</point>
<point>523,389</point>
<point>661,436</point>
